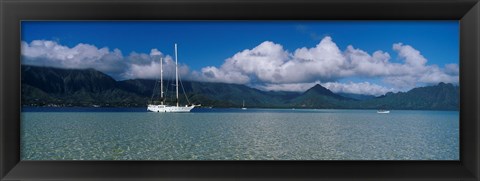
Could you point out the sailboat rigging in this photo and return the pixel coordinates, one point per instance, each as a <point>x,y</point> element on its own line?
<point>162,107</point>
<point>243,105</point>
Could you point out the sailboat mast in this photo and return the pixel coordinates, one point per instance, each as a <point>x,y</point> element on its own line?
<point>176,71</point>
<point>161,80</point>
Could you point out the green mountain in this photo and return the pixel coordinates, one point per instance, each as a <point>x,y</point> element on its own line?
<point>209,94</point>
<point>440,97</point>
<point>320,97</point>
<point>44,86</point>
<point>359,97</point>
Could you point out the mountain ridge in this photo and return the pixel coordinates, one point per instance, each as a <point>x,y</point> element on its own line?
<point>45,86</point>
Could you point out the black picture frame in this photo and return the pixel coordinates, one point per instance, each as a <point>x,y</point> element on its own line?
<point>14,11</point>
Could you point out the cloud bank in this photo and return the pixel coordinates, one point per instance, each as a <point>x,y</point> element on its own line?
<point>267,66</point>
<point>277,69</point>
<point>111,62</point>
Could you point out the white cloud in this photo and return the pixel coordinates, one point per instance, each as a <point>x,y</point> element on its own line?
<point>49,53</point>
<point>151,69</point>
<point>360,63</point>
<point>364,88</point>
<point>264,62</point>
<point>155,52</point>
<point>270,63</point>
<point>411,56</point>
<point>322,62</point>
<point>269,66</point>
<point>290,87</point>
<point>81,56</point>
<point>213,74</point>
<point>452,69</point>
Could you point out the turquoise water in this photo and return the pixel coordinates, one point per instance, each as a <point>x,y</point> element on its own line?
<point>230,134</point>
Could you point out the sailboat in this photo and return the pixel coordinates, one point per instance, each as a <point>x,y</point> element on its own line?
<point>162,107</point>
<point>381,111</point>
<point>243,105</point>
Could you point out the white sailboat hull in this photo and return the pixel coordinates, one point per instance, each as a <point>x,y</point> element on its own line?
<point>166,108</point>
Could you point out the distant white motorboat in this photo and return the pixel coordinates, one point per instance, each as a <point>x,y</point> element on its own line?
<point>243,105</point>
<point>169,108</point>
<point>383,111</point>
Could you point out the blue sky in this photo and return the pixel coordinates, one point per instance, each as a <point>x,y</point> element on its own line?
<point>204,44</point>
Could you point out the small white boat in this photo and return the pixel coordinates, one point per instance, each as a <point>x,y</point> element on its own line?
<point>383,111</point>
<point>243,105</point>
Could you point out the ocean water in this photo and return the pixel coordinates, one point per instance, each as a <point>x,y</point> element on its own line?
<point>234,134</point>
